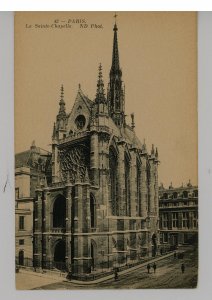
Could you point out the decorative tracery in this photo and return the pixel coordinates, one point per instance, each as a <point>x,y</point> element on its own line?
<point>74,162</point>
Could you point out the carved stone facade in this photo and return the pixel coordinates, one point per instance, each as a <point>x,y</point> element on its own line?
<point>101,207</point>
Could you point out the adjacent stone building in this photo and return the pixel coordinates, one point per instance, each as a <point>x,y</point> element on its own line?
<point>178,209</point>
<point>100,207</point>
<point>30,167</point>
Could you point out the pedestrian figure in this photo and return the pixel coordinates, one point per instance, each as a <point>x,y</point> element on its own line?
<point>175,254</point>
<point>183,268</point>
<point>154,267</point>
<point>148,267</point>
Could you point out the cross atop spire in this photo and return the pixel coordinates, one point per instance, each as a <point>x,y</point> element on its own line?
<point>115,26</point>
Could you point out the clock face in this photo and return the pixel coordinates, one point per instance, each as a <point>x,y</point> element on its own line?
<point>73,162</point>
<point>80,122</point>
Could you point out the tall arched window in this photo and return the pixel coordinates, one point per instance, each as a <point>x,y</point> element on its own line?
<point>138,189</point>
<point>127,185</point>
<point>113,180</point>
<point>59,212</point>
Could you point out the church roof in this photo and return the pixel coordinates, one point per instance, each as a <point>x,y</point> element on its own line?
<point>25,158</point>
<point>22,158</point>
<point>126,132</point>
<point>131,137</point>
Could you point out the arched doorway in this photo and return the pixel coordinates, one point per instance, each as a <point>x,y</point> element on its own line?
<point>59,212</point>
<point>59,255</point>
<point>21,258</point>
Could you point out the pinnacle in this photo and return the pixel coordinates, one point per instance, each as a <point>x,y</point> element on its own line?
<point>100,93</point>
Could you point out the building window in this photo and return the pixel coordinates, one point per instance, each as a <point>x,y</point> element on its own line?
<point>165,220</point>
<point>175,195</point>
<point>195,222</point>
<point>21,242</point>
<point>195,193</point>
<point>165,237</point>
<point>185,194</point>
<point>16,193</point>
<point>161,238</point>
<point>21,223</point>
<point>185,220</point>
<point>175,220</point>
<point>185,238</point>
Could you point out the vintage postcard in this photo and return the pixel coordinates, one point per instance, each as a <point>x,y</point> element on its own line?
<point>106,190</point>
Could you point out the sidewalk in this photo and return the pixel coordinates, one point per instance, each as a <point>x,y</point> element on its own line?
<point>27,279</point>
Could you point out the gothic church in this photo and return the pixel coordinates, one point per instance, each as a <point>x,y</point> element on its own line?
<point>99,209</point>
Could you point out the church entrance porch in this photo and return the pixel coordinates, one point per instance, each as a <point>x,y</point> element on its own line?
<point>59,255</point>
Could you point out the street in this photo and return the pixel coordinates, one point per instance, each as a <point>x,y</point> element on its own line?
<point>168,275</point>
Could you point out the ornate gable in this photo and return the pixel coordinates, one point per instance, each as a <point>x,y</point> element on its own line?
<point>79,118</point>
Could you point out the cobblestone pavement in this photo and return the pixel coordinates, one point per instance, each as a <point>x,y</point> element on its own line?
<point>168,275</point>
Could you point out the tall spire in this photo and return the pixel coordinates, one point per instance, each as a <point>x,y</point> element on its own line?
<point>115,58</point>
<point>60,126</point>
<point>115,86</point>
